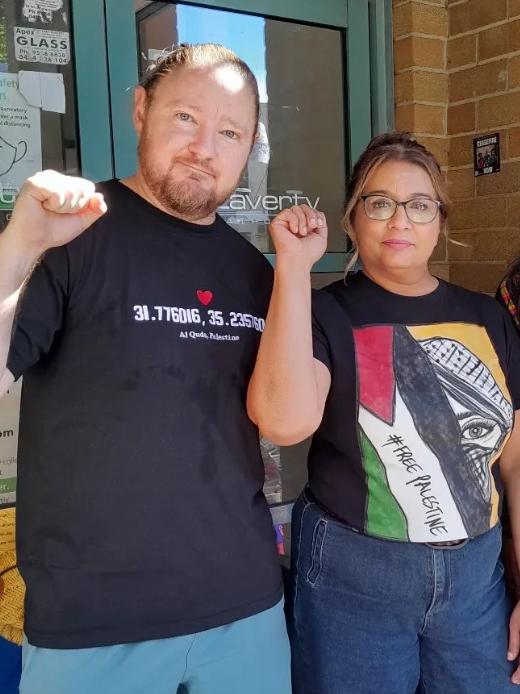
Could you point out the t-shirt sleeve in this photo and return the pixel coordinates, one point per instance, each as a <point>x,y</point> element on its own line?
<point>40,312</point>
<point>320,343</point>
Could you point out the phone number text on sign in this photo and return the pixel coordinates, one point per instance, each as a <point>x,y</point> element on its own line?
<point>196,316</point>
<point>41,46</point>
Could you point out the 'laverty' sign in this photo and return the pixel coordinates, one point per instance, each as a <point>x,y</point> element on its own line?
<point>243,201</point>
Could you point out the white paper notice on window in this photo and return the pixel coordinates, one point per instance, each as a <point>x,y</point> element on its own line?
<point>9,419</point>
<point>41,46</point>
<point>20,138</point>
<point>40,10</point>
<point>46,90</point>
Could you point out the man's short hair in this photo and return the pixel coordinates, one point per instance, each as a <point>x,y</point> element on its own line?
<point>199,55</point>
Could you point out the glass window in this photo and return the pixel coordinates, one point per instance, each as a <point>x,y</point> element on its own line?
<point>37,98</point>
<point>37,131</point>
<point>300,154</point>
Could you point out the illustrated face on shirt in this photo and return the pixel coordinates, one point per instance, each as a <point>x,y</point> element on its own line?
<point>480,437</point>
<point>196,132</point>
<point>396,243</point>
<point>483,414</point>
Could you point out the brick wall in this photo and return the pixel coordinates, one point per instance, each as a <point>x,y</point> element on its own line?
<point>422,86</point>
<point>457,65</point>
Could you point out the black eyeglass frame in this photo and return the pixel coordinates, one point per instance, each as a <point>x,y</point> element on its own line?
<point>404,203</point>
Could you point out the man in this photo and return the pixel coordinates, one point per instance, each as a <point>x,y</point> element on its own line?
<point>143,535</point>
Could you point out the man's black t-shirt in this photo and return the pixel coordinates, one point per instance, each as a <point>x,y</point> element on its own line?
<point>140,510</point>
<point>420,407</point>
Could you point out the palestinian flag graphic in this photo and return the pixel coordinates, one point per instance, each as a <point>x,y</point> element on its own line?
<point>434,413</point>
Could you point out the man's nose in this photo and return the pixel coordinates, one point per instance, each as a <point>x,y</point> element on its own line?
<point>203,144</point>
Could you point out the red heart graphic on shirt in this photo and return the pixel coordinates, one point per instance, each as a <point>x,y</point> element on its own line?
<point>204,296</point>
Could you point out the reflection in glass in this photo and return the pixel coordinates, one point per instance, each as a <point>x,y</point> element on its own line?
<point>273,477</point>
<point>300,153</point>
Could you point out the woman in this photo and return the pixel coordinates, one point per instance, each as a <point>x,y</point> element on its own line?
<point>409,385</point>
<point>508,294</point>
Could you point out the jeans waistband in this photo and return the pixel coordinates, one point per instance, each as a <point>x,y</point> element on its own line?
<point>450,544</point>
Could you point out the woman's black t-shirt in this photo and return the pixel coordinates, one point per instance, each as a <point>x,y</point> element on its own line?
<point>421,404</point>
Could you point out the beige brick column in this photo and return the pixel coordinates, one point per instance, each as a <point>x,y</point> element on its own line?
<point>421,83</point>
<point>484,97</point>
<point>457,76</point>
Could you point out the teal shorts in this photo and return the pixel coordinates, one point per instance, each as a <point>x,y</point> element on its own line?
<point>249,656</point>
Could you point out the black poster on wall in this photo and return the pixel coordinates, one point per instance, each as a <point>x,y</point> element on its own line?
<point>486,154</point>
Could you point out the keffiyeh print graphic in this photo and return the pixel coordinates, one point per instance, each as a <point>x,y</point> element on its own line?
<point>434,413</point>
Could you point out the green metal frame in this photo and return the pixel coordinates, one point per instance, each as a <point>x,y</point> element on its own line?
<point>328,12</point>
<point>124,75</point>
<point>370,71</point>
<point>107,71</point>
<point>92,89</point>
<point>382,65</point>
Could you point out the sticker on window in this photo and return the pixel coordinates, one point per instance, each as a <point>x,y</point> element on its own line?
<point>41,46</point>
<point>40,10</point>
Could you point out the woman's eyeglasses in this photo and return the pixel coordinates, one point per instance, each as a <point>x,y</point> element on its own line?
<point>418,210</point>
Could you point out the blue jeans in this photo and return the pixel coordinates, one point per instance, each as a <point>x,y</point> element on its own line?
<point>249,656</point>
<point>10,666</point>
<point>370,616</point>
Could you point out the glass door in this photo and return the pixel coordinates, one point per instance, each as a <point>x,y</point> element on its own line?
<point>301,152</point>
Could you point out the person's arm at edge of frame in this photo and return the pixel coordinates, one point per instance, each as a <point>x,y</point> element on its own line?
<point>510,471</point>
<point>15,267</point>
<point>39,223</point>
<point>288,388</point>
<point>512,572</point>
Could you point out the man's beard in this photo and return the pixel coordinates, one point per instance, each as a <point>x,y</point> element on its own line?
<point>186,198</point>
